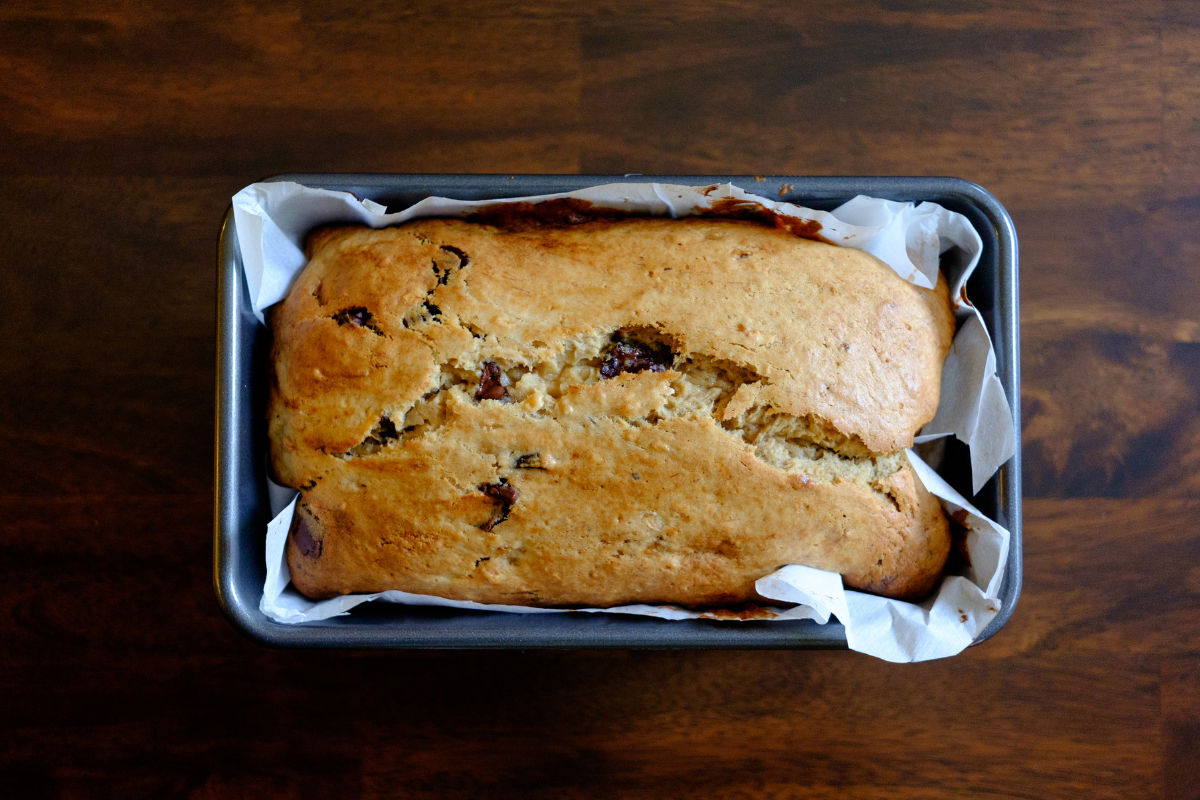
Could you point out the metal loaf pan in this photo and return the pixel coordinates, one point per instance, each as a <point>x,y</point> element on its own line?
<point>242,507</point>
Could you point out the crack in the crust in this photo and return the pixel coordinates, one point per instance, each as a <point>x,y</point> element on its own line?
<point>464,260</point>
<point>699,386</point>
<point>448,262</point>
<point>443,269</point>
<point>890,495</point>
<point>423,314</point>
<point>383,432</point>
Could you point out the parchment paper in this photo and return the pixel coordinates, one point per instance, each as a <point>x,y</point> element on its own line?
<point>272,220</point>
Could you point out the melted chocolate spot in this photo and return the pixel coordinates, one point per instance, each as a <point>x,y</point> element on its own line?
<point>501,491</point>
<point>302,536</point>
<point>733,208</point>
<point>504,496</point>
<point>561,212</point>
<point>357,315</point>
<point>492,383</point>
<point>529,461</point>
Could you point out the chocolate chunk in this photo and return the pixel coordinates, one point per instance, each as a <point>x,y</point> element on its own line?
<point>626,356</point>
<point>502,492</point>
<point>529,461</point>
<point>504,496</point>
<point>357,315</point>
<point>493,383</point>
<point>302,536</point>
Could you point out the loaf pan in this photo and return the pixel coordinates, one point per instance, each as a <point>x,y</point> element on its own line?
<point>243,509</point>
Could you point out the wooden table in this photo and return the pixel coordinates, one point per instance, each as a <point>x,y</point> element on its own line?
<point>127,127</point>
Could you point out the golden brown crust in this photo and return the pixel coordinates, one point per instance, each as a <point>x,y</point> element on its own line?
<point>797,372</point>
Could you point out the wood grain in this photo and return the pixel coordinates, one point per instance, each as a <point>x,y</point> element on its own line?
<point>126,127</point>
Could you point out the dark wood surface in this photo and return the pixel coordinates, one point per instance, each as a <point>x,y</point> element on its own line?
<point>126,127</point>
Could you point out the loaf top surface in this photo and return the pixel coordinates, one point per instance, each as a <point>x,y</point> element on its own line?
<point>635,411</point>
<point>381,318</point>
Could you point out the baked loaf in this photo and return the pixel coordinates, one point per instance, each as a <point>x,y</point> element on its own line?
<point>604,413</point>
